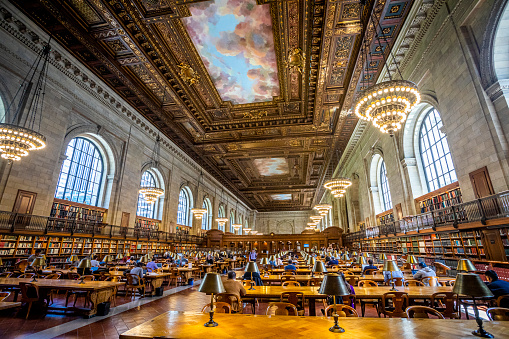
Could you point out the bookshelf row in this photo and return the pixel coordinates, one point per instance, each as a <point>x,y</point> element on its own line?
<point>445,197</point>
<point>64,209</point>
<point>146,223</point>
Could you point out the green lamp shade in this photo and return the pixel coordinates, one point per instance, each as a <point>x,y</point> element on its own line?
<point>465,265</point>
<point>39,261</point>
<point>311,260</point>
<point>272,258</point>
<point>361,260</point>
<point>252,267</point>
<point>383,256</point>
<point>73,258</point>
<point>85,263</point>
<point>390,266</point>
<point>212,283</point>
<point>334,284</point>
<point>319,267</point>
<point>471,284</point>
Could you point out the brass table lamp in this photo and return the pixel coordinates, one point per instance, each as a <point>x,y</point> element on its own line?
<point>470,284</point>
<point>38,262</point>
<point>107,258</point>
<point>465,265</point>
<point>391,266</point>
<point>361,260</point>
<point>251,268</point>
<point>265,262</point>
<point>118,257</point>
<point>334,284</point>
<point>84,263</point>
<point>318,267</point>
<point>73,258</point>
<point>382,257</point>
<point>144,259</point>
<point>211,284</point>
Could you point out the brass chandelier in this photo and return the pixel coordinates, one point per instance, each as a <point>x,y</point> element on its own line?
<point>338,186</point>
<point>21,134</point>
<point>388,103</point>
<point>323,209</point>
<point>152,193</point>
<point>221,222</point>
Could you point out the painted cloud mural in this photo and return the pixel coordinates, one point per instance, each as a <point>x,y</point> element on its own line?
<point>271,166</point>
<point>235,41</point>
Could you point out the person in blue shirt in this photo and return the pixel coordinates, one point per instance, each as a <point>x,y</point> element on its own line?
<point>387,276</point>
<point>370,266</point>
<point>290,266</point>
<point>272,263</point>
<point>333,261</point>
<point>497,287</point>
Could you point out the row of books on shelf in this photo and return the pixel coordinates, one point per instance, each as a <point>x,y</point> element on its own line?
<point>447,199</point>
<point>69,211</point>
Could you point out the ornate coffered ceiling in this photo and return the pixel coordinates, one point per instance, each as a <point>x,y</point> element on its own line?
<point>290,80</point>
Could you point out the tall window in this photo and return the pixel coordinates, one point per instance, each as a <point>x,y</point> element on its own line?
<point>81,173</point>
<point>145,209</point>
<point>207,217</point>
<point>221,214</point>
<point>435,153</point>
<point>232,221</point>
<point>183,208</point>
<point>384,186</point>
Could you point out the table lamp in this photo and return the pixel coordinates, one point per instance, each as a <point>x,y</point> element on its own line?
<point>118,257</point>
<point>272,258</point>
<point>144,259</point>
<point>382,257</point>
<point>412,260</point>
<point>38,262</point>
<point>251,268</point>
<point>211,284</point>
<point>311,261</point>
<point>318,267</point>
<point>361,260</point>
<point>465,265</point>
<point>84,263</point>
<point>391,266</point>
<point>345,257</point>
<point>107,258</point>
<point>1,262</point>
<point>334,284</point>
<point>470,284</point>
<point>264,262</point>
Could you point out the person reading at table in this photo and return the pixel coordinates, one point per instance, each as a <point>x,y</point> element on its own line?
<point>498,287</point>
<point>423,272</point>
<point>290,266</point>
<point>94,262</point>
<point>137,274</point>
<point>333,261</point>
<point>234,287</point>
<point>35,255</point>
<point>387,276</point>
<point>370,266</point>
<point>272,262</point>
<point>279,262</point>
<point>151,266</point>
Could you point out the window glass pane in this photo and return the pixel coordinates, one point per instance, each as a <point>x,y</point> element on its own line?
<point>145,209</point>
<point>183,208</point>
<point>205,222</point>
<point>81,173</point>
<point>384,185</point>
<point>435,153</point>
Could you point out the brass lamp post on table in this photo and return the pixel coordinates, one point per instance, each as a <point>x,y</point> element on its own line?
<point>391,266</point>
<point>84,263</point>
<point>382,257</point>
<point>265,262</point>
<point>311,262</point>
<point>318,267</point>
<point>38,262</point>
<point>211,284</point>
<point>470,284</point>
<point>333,284</point>
<point>412,260</point>
<point>251,268</point>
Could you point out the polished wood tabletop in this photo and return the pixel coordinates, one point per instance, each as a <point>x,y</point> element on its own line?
<point>298,277</point>
<point>61,283</point>
<point>8,304</point>
<point>175,324</point>
<point>275,291</point>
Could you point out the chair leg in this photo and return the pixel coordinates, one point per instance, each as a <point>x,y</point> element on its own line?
<point>28,310</point>
<point>363,308</point>
<point>466,311</point>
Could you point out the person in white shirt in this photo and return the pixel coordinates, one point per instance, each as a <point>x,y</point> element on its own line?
<point>94,262</point>
<point>279,262</point>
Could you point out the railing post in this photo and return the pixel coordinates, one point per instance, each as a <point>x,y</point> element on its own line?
<point>14,222</point>
<point>481,209</point>
<point>455,217</point>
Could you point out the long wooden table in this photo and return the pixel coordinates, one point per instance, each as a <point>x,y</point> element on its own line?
<point>175,324</point>
<point>100,291</point>
<point>300,278</point>
<point>9,304</point>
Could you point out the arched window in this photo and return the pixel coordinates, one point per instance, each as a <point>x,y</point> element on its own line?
<point>232,221</point>
<point>184,207</point>
<point>384,188</point>
<point>207,217</point>
<point>81,174</point>
<point>221,213</point>
<point>435,154</point>
<point>146,210</point>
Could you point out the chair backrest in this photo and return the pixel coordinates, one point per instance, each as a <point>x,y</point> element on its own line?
<point>26,275</point>
<point>377,272</point>
<point>399,303</point>
<point>500,298</point>
<point>367,283</point>
<point>53,276</point>
<point>281,308</point>
<point>289,272</point>
<point>398,281</point>
<point>349,299</point>
<point>28,291</point>
<point>73,275</point>
<point>422,312</point>
<point>292,297</point>
<point>370,271</point>
<point>342,310</point>
<point>290,283</point>
<point>51,268</point>
<point>412,282</point>
<point>21,265</point>
<point>431,281</point>
<point>314,282</point>
<point>406,266</point>
<point>88,277</point>
<point>498,314</point>
<point>447,304</point>
<point>4,295</point>
<point>441,269</point>
<point>352,280</point>
<point>287,278</point>
<point>229,298</point>
<point>5,274</point>
<point>220,307</point>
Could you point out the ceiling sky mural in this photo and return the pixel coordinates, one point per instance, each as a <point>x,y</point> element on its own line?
<point>235,41</point>
<point>271,166</point>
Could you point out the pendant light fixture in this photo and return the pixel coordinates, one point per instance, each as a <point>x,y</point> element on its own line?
<point>323,209</point>
<point>20,133</point>
<point>221,221</point>
<point>199,212</point>
<point>152,193</point>
<point>388,103</point>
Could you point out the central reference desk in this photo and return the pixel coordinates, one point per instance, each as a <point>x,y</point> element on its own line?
<point>175,324</point>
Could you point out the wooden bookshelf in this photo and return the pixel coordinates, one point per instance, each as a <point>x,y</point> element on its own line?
<point>385,217</point>
<point>147,223</point>
<point>444,197</point>
<point>64,209</point>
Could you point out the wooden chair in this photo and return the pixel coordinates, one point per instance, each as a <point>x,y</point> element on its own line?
<point>431,281</point>
<point>281,308</point>
<point>131,287</point>
<point>288,278</point>
<point>73,276</point>
<point>289,272</point>
<point>78,293</point>
<point>113,298</point>
<point>20,266</point>
<point>370,271</point>
<point>5,275</point>
<point>342,310</point>
<point>412,282</point>
<point>498,314</point>
<point>422,312</point>
<point>52,291</point>
<point>26,275</point>
<point>447,304</point>
<point>221,307</point>
<point>294,298</point>
<point>4,295</point>
<point>449,282</point>
<point>290,283</point>
<point>53,276</point>
<point>314,282</point>
<point>364,302</point>
<point>500,298</point>
<point>399,304</point>
<point>29,294</point>
<point>441,269</point>
<point>233,300</point>
<point>378,272</point>
<point>398,281</point>
<point>406,266</point>
<point>352,280</point>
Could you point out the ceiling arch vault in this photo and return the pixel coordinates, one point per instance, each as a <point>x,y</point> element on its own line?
<point>256,91</point>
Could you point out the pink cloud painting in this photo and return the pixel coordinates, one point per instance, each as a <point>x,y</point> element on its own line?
<point>271,166</point>
<point>235,41</point>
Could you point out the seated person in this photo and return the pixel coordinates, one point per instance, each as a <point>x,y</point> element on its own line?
<point>138,275</point>
<point>151,266</point>
<point>94,262</point>
<point>424,271</point>
<point>254,276</point>
<point>370,266</point>
<point>234,287</point>
<point>290,266</point>
<point>210,260</point>
<point>333,261</point>
<point>387,276</point>
<point>272,263</point>
<point>182,261</point>
<point>31,258</point>
<point>497,287</point>
<point>279,262</point>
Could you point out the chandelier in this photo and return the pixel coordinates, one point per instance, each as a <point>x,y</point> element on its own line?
<point>312,224</point>
<point>322,209</point>
<point>199,212</point>
<point>152,193</point>
<point>316,218</point>
<point>387,103</point>
<point>247,230</point>
<point>236,227</point>
<point>21,134</point>
<point>221,221</point>
<point>338,186</point>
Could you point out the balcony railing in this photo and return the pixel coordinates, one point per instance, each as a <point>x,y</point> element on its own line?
<point>487,208</point>
<point>16,222</point>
